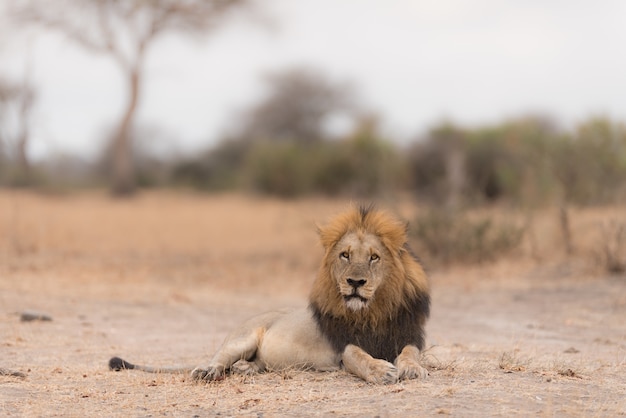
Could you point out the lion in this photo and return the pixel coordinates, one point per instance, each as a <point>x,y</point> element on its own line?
<point>366,314</point>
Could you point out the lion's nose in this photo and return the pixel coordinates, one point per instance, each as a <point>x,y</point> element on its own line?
<point>356,283</point>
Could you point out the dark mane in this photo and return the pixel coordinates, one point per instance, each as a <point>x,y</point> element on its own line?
<point>384,341</point>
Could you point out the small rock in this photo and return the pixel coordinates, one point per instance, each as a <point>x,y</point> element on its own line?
<point>28,316</point>
<point>13,373</point>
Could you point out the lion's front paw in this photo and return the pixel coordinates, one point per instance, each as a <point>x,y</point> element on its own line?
<point>207,375</point>
<point>381,371</point>
<point>244,367</point>
<point>408,364</point>
<point>411,369</point>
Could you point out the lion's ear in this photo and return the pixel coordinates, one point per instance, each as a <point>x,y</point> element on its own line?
<point>320,233</point>
<point>327,236</point>
<point>331,233</point>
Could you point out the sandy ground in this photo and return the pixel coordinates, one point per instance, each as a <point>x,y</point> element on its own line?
<point>162,278</point>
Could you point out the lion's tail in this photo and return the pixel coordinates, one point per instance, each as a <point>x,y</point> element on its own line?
<point>117,364</point>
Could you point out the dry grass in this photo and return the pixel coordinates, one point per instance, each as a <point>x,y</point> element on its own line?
<point>162,279</point>
<point>510,362</point>
<point>612,247</point>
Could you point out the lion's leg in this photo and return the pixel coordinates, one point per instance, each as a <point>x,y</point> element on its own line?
<point>408,364</point>
<point>241,346</point>
<point>357,361</point>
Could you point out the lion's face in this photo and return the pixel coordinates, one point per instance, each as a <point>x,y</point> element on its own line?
<point>358,268</point>
<point>367,275</point>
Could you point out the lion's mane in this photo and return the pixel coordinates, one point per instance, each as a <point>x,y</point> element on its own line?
<point>397,314</point>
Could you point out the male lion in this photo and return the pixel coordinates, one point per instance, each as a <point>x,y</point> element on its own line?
<point>366,313</point>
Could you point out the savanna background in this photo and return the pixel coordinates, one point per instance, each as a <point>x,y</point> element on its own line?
<point>164,164</point>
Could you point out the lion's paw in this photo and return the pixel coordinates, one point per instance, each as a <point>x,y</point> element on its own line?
<point>411,369</point>
<point>245,368</point>
<point>382,372</point>
<point>207,375</point>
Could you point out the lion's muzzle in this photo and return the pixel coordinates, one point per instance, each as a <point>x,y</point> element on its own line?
<point>355,300</point>
<point>352,294</point>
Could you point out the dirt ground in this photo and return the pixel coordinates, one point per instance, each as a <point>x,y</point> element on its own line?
<point>162,278</point>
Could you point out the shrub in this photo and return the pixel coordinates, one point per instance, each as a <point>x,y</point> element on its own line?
<point>510,161</point>
<point>591,164</point>
<point>361,165</point>
<point>612,253</point>
<point>280,168</point>
<point>513,161</point>
<point>218,169</point>
<point>372,164</point>
<point>454,237</point>
<point>427,162</point>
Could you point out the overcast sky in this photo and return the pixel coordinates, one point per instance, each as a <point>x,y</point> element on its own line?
<point>415,62</point>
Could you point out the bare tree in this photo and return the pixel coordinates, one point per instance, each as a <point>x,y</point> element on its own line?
<point>298,106</point>
<point>4,97</point>
<point>16,103</point>
<point>124,30</point>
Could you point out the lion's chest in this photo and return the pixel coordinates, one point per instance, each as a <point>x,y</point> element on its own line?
<point>384,341</point>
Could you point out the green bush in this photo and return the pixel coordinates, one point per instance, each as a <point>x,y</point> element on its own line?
<point>218,169</point>
<point>525,161</point>
<point>369,164</point>
<point>591,164</point>
<point>513,161</point>
<point>280,168</point>
<point>426,161</point>
<point>360,165</point>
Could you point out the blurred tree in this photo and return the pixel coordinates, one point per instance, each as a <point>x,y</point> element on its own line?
<point>16,104</point>
<point>281,145</point>
<point>298,107</point>
<point>437,164</point>
<point>4,96</point>
<point>219,168</point>
<point>511,160</point>
<point>373,163</point>
<point>153,152</point>
<point>124,29</point>
<point>591,163</point>
<point>363,164</point>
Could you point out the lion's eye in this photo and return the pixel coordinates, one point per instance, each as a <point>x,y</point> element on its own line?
<point>345,255</point>
<point>374,257</point>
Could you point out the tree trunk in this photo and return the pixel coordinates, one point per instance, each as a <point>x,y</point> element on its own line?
<point>3,161</point>
<point>566,230</point>
<point>455,176</point>
<point>23,165</point>
<point>123,170</point>
<point>24,173</point>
